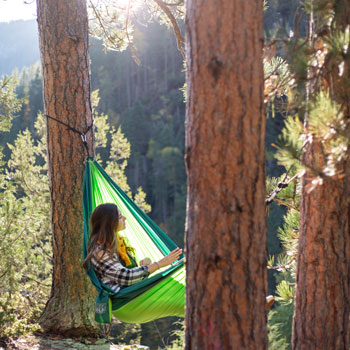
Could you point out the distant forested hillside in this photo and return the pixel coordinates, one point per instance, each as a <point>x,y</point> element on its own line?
<point>19,46</point>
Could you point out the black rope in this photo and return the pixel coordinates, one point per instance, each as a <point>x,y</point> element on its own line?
<point>82,134</point>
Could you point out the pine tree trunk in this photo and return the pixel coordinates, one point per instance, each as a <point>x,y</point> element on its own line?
<point>63,33</point>
<point>322,299</point>
<point>145,74</point>
<point>136,172</point>
<point>165,48</point>
<point>225,135</point>
<point>128,83</point>
<point>173,51</point>
<point>138,88</point>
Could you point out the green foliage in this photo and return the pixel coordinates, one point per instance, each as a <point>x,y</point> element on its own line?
<point>288,234</point>
<point>280,317</point>
<point>299,50</point>
<point>337,45</point>
<point>290,145</point>
<point>270,184</point>
<point>25,244</point>
<point>9,103</point>
<point>168,184</point>
<point>285,292</point>
<point>101,127</point>
<point>140,200</point>
<point>110,24</point>
<point>29,92</point>
<point>278,80</point>
<point>179,337</point>
<point>280,327</point>
<point>327,123</point>
<point>119,151</point>
<point>22,212</point>
<point>265,5</point>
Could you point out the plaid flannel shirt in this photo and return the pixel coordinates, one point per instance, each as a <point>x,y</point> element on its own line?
<point>111,272</point>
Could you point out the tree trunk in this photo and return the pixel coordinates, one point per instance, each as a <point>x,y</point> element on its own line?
<point>63,33</point>
<point>128,83</point>
<point>136,172</point>
<point>165,48</point>
<point>225,135</point>
<point>322,299</point>
<point>145,74</point>
<point>322,302</point>
<point>173,51</point>
<point>138,88</point>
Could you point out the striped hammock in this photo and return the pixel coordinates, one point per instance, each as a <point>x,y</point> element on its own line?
<point>160,295</point>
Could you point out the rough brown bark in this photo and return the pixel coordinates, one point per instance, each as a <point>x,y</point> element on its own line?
<point>63,33</point>
<point>322,301</point>
<point>225,133</point>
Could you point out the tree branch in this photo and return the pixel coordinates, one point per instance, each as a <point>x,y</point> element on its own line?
<point>131,46</point>
<point>178,3</point>
<point>179,37</point>
<point>280,186</point>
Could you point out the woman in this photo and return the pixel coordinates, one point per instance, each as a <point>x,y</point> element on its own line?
<point>106,221</point>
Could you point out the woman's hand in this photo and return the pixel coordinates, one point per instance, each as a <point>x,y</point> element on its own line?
<point>170,258</point>
<point>145,262</point>
<point>167,260</point>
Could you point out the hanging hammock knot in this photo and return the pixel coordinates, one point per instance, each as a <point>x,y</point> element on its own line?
<point>82,134</point>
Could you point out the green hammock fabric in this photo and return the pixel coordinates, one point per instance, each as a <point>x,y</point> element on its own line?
<point>160,295</point>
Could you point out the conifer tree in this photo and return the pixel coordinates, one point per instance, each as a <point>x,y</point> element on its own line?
<point>63,35</point>
<point>9,103</point>
<point>316,143</point>
<point>322,304</point>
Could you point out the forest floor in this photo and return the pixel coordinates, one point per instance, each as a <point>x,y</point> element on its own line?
<point>35,342</point>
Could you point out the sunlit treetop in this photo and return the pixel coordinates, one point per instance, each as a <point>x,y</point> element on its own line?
<point>113,21</point>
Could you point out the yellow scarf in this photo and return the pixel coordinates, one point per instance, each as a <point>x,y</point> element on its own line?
<point>122,251</point>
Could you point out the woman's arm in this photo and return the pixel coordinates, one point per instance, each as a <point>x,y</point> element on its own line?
<point>167,260</point>
<point>112,269</point>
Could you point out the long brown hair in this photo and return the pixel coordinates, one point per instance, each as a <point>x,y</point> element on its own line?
<point>103,226</point>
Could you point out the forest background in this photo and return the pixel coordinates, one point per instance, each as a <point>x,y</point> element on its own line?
<point>142,106</point>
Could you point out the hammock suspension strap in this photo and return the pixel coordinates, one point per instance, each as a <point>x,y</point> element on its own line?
<point>82,134</point>
<point>160,335</point>
<point>106,330</point>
